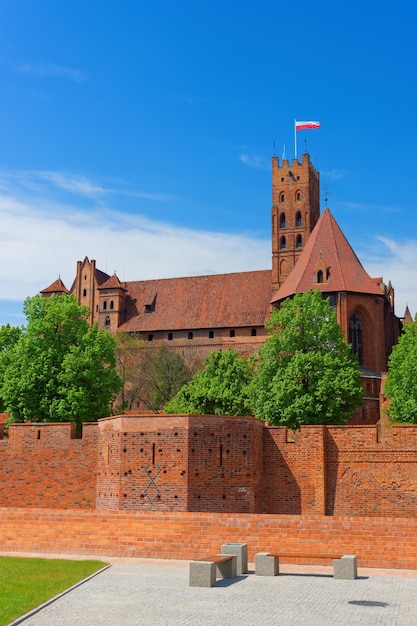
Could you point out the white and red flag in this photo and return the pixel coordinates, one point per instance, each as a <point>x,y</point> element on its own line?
<point>306,125</point>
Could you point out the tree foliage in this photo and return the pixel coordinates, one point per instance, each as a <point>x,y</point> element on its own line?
<point>151,375</point>
<point>306,372</point>
<point>221,388</point>
<point>9,336</point>
<point>401,385</point>
<point>60,368</point>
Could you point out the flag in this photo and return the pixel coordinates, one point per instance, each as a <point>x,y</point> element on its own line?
<point>306,125</point>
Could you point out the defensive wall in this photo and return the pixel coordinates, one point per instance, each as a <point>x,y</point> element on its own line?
<point>181,486</point>
<point>211,464</point>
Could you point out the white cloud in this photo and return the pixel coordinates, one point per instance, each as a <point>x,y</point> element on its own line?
<point>256,161</point>
<point>42,237</point>
<point>52,69</point>
<point>396,261</point>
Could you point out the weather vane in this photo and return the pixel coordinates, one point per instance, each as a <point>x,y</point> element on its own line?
<point>326,193</point>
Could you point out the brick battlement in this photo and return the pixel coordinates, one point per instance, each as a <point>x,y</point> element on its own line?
<point>211,464</point>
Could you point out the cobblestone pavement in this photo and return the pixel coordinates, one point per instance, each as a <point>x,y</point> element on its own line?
<point>156,592</point>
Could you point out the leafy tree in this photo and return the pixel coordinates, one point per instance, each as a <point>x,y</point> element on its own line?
<point>306,372</point>
<point>9,336</point>
<point>401,385</point>
<point>169,375</point>
<point>221,388</point>
<point>128,351</point>
<point>60,369</point>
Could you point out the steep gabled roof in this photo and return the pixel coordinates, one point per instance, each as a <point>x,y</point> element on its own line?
<point>328,248</point>
<point>111,283</point>
<point>193,302</point>
<point>56,287</point>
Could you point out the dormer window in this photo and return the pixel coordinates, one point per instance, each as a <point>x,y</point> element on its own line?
<point>320,276</point>
<point>148,308</point>
<point>150,305</point>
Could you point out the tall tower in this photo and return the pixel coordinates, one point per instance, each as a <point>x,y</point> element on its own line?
<point>295,211</point>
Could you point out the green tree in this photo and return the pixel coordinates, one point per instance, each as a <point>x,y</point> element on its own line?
<point>221,388</point>
<point>60,369</point>
<point>401,385</point>
<point>306,372</point>
<point>169,375</point>
<point>129,348</point>
<point>9,336</point>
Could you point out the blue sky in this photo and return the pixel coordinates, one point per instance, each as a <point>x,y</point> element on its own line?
<point>140,134</point>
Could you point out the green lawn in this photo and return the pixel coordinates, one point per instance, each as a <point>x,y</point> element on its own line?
<point>25,583</point>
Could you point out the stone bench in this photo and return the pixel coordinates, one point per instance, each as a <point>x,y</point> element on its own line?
<point>344,565</point>
<point>204,572</point>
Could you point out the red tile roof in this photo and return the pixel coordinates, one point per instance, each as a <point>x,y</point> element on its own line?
<point>56,287</point>
<point>214,301</point>
<point>111,283</point>
<point>327,247</point>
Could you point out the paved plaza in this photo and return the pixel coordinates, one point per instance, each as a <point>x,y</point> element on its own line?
<point>151,592</point>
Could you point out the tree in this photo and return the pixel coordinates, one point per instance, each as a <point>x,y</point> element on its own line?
<point>128,351</point>
<point>306,372</point>
<point>401,385</point>
<point>169,375</point>
<point>221,388</point>
<point>60,369</point>
<point>9,336</point>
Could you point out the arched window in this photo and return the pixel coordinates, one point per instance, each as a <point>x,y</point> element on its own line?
<point>107,322</point>
<point>356,336</point>
<point>104,305</point>
<point>84,292</point>
<point>320,276</point>
<point>111,304</point>
<point>298,219</point>
<point>298,196</point>
<point>282,197</point>
<point>299,241</point>
<point>283,243</point>
<point>282,221</point>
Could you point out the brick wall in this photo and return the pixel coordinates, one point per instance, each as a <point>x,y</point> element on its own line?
<point>45,465</point>
<point>386,542</point>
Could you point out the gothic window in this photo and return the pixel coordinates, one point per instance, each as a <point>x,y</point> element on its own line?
<point>282,221</point>
<point>84,292</point>
<point>283,243</point>
<point>104,305</point>
<point>298,196</point>
<point>282,197</point>
<point>319,276</point>
<point>111,304</point>
<point>298,219</point>
<point>107,321</point>
<point>299,242</point>
<point>356,336</point>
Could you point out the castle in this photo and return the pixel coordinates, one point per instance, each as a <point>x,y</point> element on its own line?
<point>196,315</point>
<point>178,486</point>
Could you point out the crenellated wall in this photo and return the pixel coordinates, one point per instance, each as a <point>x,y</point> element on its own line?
<point>211,464</point>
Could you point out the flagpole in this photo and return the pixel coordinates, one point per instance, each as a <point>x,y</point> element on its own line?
<point>295,139</point>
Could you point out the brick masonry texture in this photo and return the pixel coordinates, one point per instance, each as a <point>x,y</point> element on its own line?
<point>378,542</point>
<point>211,464</point>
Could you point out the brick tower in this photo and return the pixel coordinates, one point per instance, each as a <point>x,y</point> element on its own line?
<point>295,211</point>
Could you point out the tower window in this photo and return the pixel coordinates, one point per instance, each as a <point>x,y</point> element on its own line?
<point>111,304</point>
<point>298,196</point>
<point>105,305</point>
<point>283,243</point>
<point>298,219</point>
<point>84,292</point>
<point>299,242</point>
<point>282,197</point>
<point>107,321</point>
<point>356,336</point>
<point>282,221</point>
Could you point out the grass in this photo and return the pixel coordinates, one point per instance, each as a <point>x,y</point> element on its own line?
<point>25,583</point>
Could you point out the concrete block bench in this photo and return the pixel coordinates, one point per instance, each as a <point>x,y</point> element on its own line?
<point>204,572</point>
<point>345,565</point>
